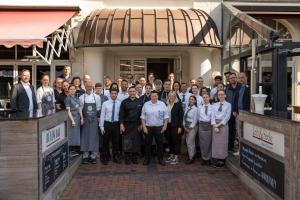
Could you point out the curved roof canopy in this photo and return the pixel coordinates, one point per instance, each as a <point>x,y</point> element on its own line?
<point>148,27</point>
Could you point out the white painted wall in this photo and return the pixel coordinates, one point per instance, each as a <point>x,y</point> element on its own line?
<point>204,62</point>
<point>93,63</point>
<point>97,61</point>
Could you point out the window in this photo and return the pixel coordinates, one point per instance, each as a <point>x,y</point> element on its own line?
<point>40,71</point>
<point>6,81</point>
<point>135,67</point>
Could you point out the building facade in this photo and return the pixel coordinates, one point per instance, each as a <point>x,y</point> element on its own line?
<point>190,38</point>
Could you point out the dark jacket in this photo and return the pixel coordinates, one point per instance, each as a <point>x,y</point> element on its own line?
<point>69,79</point>
<point>19,99</point>
<point>232,96</point>
<point>177,115</point>
<point>244,98</point>
<point>144,98</point>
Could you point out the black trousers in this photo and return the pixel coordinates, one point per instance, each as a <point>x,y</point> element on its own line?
<point>232,132</point>
<point>154,131</point>
<point>174,139</point>
<point>112,132</point>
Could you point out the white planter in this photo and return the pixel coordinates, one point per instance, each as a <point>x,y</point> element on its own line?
<point>259,102</point>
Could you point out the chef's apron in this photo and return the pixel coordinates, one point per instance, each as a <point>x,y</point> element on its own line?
<point>131,138</point>
<point>47,102</point>
<point>89,134</point>
<point>74,132</point>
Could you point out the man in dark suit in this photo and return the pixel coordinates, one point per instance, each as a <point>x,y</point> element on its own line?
<point>23,97</point>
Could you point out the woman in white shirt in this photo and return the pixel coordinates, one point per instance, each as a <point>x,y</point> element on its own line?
<point>219,120</point>
<point>190,127</point>
<point>45,96</point>
<point>195,92</point>
<point>205,129</point>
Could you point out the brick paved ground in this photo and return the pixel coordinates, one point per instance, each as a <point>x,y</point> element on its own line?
<point>137,182</point>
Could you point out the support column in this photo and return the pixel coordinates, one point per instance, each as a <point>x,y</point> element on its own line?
<point>279,81</point>
<point>93,61</point>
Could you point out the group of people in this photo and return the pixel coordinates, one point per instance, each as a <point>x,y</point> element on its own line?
<point>140,117</point>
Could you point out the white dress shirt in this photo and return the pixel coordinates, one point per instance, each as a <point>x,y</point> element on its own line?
<point>29,94</point>
<point>223,115</point>
<point>186,96</point>
<point>106,112</point>
<point>190,116</point>
<point>154,114</point>
<point>122,95</point>
<point>90,98</point>
<point>199,100</point>
<point>213,91</point>
<point>202,116</point>
<point>106,93</point>
<point>44,90</point>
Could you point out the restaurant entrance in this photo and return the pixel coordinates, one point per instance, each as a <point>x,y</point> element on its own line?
<point>160,67</point>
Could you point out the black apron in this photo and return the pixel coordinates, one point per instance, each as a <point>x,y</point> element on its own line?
<point>131,138</point>
<point>90,134</point>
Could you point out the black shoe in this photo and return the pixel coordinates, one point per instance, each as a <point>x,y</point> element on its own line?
<point>219,164</point>
<point>116,160</point>
<point>189,161</point>
<point>161,162</point>
<point>93,161</point>
<point>146,161</point>
<point>85,161</point>
<point>205,162</point>
<point>104,162</point>
<point>127,160</point>
<point>134,160</point>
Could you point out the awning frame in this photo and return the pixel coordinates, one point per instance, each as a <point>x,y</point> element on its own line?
<point>261,29</point>
<point>64,37</point>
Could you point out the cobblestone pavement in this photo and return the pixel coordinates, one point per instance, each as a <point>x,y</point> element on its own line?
<point>138,182</point>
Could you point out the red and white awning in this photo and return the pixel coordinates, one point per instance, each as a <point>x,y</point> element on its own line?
<point>30,27</point>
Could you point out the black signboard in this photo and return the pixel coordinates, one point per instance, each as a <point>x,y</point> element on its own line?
<point>265,169</point>
<point>54,164</point>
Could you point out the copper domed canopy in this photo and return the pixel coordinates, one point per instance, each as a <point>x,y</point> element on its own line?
<point>145,27</point>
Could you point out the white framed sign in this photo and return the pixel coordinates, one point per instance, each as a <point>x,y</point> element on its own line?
<point>267,139</point>
<point>52,136</point>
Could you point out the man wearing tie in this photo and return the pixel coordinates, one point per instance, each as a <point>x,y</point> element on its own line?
<point>110,127</point>
<point>23,97</point>
<point>184,95</point>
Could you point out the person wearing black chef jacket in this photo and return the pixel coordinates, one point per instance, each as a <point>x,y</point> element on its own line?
<point>60,101</point>
<point>23,97</point>
<point>129,117</point>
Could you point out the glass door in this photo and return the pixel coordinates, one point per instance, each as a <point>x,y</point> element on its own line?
<point>136,67</point>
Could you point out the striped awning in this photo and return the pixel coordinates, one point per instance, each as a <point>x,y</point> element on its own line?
<point>145,27</point>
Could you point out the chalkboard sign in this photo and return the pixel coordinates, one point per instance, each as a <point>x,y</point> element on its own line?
<point>54,164</point>
<point>265,169</point>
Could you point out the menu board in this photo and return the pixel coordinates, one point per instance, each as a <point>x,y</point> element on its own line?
<point>54,165</point>
<point>265,169</point>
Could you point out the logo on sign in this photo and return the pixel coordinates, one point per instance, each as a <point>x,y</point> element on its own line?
<point>52,136</point>
<point>263,135</point>
<point>267,139</point>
